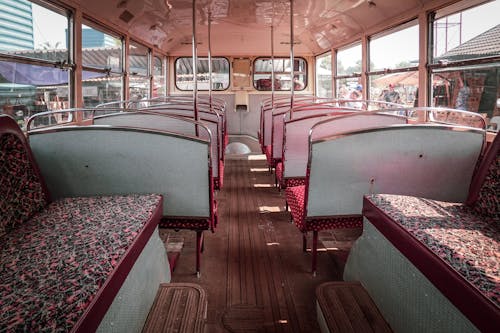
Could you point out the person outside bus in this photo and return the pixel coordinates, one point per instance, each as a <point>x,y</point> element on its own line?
<point>356,94</point>
<point>392,95</point>
<point>463,95</point>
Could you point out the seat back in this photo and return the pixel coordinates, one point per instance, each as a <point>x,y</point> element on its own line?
<point>485,186</point>
<point>22,189</point>
<point>110,160</point>
<point>430,161</point>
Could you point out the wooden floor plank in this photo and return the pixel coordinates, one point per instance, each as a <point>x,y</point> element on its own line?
<point>254,261</point>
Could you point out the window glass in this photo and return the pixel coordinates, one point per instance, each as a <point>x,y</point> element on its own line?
<point>469,89</point>
<point>467,34</point>
<point>349,67</point>
<point>398,88</point>
<point>460,77</point>
<point>27,89</point>
<point>398,48</point>
<point>349,60</point>
<point>349,88</point>
<point>262,73</point>
<point>324,75</point>
<point>101,50</point>
<point>30,30</point>
<point>159,81</point>
<point>395,50</point>
<point>138,59</point>
<point>139,82</point>
<point>184,73</point>
<point>98,88</point>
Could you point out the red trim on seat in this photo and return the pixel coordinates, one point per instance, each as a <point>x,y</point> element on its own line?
<point>461,293</point>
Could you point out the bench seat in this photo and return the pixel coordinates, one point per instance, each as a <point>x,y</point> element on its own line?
<point>64,265</point>
<point>446,251</point>
<point>72,264</point>
<point>453,245</point>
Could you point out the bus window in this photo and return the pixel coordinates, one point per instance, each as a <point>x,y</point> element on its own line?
<point>184,73</point>
<point>262,74</point>
<point>460,79</point>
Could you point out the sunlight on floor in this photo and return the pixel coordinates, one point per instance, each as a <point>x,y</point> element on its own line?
<point>263,185</point>
<point>259,169</point>
<point>259,157</point>
<point>270,209</point>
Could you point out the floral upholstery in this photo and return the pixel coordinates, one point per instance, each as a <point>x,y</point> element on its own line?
<point>21,193</point>
<point>53,265</point>
<point>294,182</point>
<point>488,201</point>
<point>279,173</point>
<point>219,182</point>
<point>456,233</point>
<point>295,197</point>
<point>185,223</point>
<point>269,156</point>
<point>334,222</point>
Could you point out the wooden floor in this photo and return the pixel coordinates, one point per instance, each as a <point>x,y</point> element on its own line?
<point>254,271</point>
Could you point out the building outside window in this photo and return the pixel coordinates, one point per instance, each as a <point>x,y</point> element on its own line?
<point>34,63</point>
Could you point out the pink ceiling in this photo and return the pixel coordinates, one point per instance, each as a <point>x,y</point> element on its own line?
<point>242,27</point>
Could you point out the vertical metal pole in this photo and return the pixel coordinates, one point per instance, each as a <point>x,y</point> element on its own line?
<point>209,60</point>
<point>291,60</point>
<point>272,63</point>
<point>195,69</point>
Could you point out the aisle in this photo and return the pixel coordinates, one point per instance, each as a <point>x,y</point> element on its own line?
<point>254,271</point>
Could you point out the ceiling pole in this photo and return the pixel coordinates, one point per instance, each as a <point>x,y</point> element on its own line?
<point>209,60</point>
<point>195,71</point>
<point>272,61</point>
<point>291,59</point>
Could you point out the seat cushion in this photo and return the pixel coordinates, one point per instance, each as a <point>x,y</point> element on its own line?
<point>56,263</point>
<point>463,239</point>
